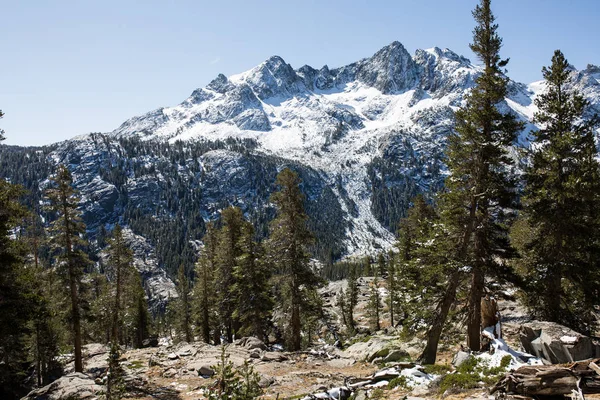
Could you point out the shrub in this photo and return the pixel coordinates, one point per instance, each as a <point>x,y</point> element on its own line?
<point>234,383</point>
<point>400,381</point>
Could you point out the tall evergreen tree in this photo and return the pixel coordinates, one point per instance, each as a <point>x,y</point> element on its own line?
<point>183,308</point>
<point>44,326</point>
<point>115,382</point>
<point>392,286</point>
<point>347,300</point>
<point>424,266</point>
<point>381,264</point>
<point>562,199</point>
<point>15,302</point>
<point>288,244</point>
<point>252,291</point>
<point>342,304</point>
<point>479,187</point>
<point>68,231</point>
<point>204,287</point>
<point>352,298</point>
<point>375,303</point>
<point>138,317</point>
<point>120,272</point>
<point>414,228</point>
<point>227,252</point>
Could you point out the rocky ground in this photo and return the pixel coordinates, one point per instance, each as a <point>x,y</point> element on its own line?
<point>367,367</point>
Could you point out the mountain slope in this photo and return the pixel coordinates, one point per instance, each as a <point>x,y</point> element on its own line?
<point>365,138</point>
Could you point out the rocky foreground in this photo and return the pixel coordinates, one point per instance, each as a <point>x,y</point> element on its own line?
<point>377,365</point>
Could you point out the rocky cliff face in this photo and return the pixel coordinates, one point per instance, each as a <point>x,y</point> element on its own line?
<point>365,138</point>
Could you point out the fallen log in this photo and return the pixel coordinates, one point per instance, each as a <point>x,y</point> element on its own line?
<point>551,380</point>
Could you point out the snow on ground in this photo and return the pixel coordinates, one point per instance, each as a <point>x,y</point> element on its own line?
<point>501,350</point>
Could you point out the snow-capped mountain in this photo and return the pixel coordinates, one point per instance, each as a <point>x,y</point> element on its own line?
<point>381,121</point>
<point>365,138</point>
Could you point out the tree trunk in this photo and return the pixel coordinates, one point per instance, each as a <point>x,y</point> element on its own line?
<point>474,311</point>
<point>187,322</point>
<point>38,355</point>
<point>76,320</point>
<point>296,327</point>
<point>229,332</point>
<point>205,305</point>
<point>553,295</point>
<point>205,322</point>
<point>73,286</point>
<point>115,327</point>
<point>435,331</point>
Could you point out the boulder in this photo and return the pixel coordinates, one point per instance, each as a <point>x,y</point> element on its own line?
<point>205,370</point>
<point>255,353</point>
<point>202,368</point>
<point>375,347</point>
<point>460,357</point>
<point>187,350</point>
<point>75,386</point>
<point>94,349</point>
<point>95,361</point>
<point>273,356</point>
<point>396,355</point>
<point>251,343</point>
<point>556,343</point>
<point>265,381</point>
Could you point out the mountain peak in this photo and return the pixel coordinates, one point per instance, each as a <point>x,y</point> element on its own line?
<point>275,61</point>
<point>271,78</point>
<point>390,70</point>
<point>591,68</point>
<point>220,84</point>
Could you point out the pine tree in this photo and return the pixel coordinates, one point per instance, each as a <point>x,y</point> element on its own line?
<point>115,383</point>
<point>183,309</point>
<point>381,265</point>
<point>414,228</point>
<point>137,315</point>
<point>312,316</point>
<point>375,303</point>
<point>120,271</point>
<point>44,327</point>
<point>288,246</point>
<point>68,231</point>
<point>367,270</point>
<point>479,188</point>
<point>423,269</point>
<point>204,288</point>
<point>234,383</point>
<point>342,304</point>
<point>15,302</point>
<point>227,252</point>
<point>254,303</point>
<point>392,286</point>
<point>352,299</point>
<point>562,199</point>
<point>102,308</point>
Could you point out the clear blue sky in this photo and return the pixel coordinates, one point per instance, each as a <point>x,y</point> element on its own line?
<point>73,67</point>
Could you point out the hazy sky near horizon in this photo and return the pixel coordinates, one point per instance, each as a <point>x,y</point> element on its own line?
<point>74,67</point>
